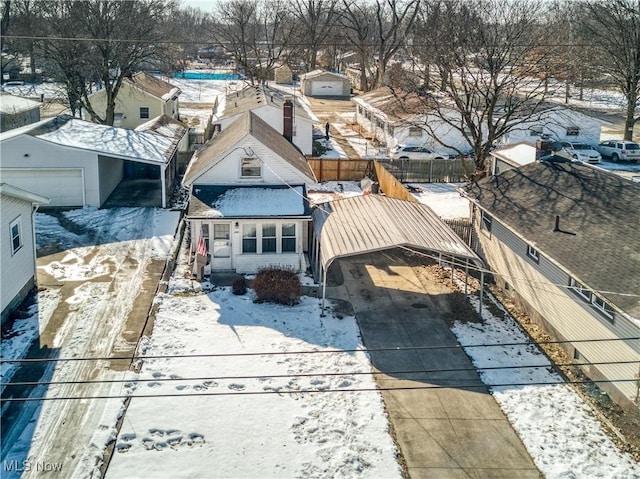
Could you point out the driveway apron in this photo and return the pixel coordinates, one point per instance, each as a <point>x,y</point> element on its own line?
<point>451,427</point>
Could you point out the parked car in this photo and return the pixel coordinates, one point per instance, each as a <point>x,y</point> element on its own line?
<point>410,152</point>
<point>619,150</point>
<point>581,152</point>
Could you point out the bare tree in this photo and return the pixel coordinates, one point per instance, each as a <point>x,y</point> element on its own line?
<point>614,27</point>
<point>314,19</point>
<point>358,21</point>
<point>257,34</point>
<point>480,78</point>
<point>103,41</point>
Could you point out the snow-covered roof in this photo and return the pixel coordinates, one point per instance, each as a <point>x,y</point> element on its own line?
<point>219,201</point>
<point>120,143</point>
<point>11,104</point>
<point>253,97</point>
<point>520,153</point>
<point>320,73</point>
<point>15,192</point>
<point>166,126</point>
<point>153,85</point>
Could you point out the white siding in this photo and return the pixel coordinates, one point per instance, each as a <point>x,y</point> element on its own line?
<point>46,155</point>
<point>18,268</point>
<point>111,172</point>
<point>228,170</point>
<point>554,124</point>
<point>564,311</point>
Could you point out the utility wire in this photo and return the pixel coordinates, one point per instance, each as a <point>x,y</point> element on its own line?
<point>309,375</point>
<point>474,385</point>
<point>315,351</point>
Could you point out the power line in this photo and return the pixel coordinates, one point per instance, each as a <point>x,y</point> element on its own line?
<point>308,375</point>
<point>315,351</point>
<point>474,385</point>
<point>344,44</point>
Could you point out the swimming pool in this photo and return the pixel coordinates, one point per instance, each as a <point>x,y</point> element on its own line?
<point>191,75</point>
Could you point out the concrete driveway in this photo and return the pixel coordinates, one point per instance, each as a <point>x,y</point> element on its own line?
<point>453,428</point>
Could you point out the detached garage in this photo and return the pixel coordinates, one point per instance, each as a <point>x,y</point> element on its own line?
<point>320,83</point>
<point>78,163</point>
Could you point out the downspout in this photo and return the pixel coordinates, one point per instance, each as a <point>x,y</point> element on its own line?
<point>481,291</point>
<point>163,179</point>
<point>324,290</point>
<point>34,208</point>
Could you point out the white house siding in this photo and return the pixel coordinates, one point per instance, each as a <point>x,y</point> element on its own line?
<point>565,315</point>
<point>45,155</point>
<point>111,172</point>
<point>18,269</point>
<point>554,124</point>
<point>249,263</point>
<point>303,128</point>
<point>227,171</point>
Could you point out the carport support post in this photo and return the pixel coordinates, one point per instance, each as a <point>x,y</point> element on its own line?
<point>466,275</point>
<point>324,290</point>
<point>481,291</point>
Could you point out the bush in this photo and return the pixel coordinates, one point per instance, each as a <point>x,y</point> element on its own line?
<point>277,285</point>
<point>239,286</point>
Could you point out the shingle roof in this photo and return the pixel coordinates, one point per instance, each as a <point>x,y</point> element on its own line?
<point>395,103</point>
<point>247,124</point>
<point>253,97</point>
<point>153,85</point>
<point>599,219</point>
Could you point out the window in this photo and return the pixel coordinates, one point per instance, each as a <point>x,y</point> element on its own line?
<point>580,289</point>
<point>250,168</point>
<point>533,253</point>
<point>221,244</point>
<point>536,130</point>
<point>289,238</point>
<point>603,307</point>
<point>269,238</point>
<point>249,238</point>
<point>117,119</point>
<point>16,234</point>
<point>144,112</point>
<point>486,223</point>
<point>415,131</point>
<point>573,131</point>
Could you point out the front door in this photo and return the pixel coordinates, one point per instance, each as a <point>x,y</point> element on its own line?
<point>221,251</point>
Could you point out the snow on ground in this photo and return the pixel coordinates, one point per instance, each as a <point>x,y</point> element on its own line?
<point>558,429</point>
<point>442,198</point>
<point>332,190</point>
<point>362,146</point>
<point>37,90</point>
<point>251,416</point>
<point>120,243</point>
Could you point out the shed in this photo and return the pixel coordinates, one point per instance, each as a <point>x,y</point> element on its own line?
<point>283,75</point>
<point>16,111</point>
<point>323,83</point>
<point>367,223</point>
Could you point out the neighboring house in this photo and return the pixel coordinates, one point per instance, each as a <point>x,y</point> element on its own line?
<point>283,75</point>
<point>559,124</point>
<point>282,112</point>
<point>512,156</point>
<point>321,83</point>
<point>18,272</point>
<point>16,111</point>
<point>79,163</point>
<point>248,198</point>
<point>564,243</point>
<point>395,117</point>
<point>170,128</point>
<point>140,98</point>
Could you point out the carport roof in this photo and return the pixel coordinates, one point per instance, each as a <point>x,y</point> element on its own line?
<point>362,224</point>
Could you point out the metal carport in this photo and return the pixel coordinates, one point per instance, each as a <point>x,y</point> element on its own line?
<point>368,223</point>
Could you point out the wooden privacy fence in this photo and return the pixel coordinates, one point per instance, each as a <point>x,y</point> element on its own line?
<point>462,227</point>
<point>430,171</point>
<point>340,169</point>
<point>391,186</point>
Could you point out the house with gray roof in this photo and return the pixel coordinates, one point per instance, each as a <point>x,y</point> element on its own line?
<point>283,112</point>
<point>248,205</point>
<point>78,163</point>
<point>563,240</point>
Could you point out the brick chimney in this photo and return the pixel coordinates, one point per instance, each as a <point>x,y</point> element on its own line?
<point>287,119</point>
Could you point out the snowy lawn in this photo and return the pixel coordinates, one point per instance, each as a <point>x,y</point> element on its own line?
<point>558,429</point>
<point>442,198</point>
<point>320,193</point>
<point>236,415</point>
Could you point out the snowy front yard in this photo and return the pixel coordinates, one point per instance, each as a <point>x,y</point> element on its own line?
<point>239,414</point>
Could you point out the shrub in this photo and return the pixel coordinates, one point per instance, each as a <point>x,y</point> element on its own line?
<point>239,285</point>
<point>276,284</point>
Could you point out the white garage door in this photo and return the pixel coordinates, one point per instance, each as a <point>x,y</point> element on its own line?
<point>63,186</point>
<point>326,88</point>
